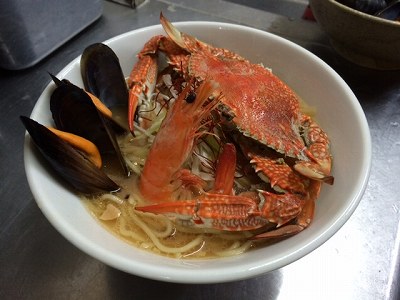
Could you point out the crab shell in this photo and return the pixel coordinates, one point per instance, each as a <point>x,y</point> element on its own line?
<point>263,106</point>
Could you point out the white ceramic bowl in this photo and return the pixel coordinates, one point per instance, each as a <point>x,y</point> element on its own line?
<point>338,112</point>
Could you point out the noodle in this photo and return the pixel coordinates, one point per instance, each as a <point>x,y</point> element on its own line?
<point>169,229</point>
<point>236,249</point>
<point>123,229</point>
<point>157,242</point>
<point>111,197</point>
<point>133,166</point>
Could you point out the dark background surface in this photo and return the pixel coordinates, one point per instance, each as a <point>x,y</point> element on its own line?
<point>359,262</point>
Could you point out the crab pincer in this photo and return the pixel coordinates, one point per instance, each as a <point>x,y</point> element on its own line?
<point>218,211</point>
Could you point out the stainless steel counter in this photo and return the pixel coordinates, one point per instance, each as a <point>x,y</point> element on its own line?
<point>360,262</point>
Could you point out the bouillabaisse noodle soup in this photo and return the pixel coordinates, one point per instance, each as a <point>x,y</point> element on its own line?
<point>198,186</point>
<point>223,154</point>
<point>215,164</point>
<point>158,233</point>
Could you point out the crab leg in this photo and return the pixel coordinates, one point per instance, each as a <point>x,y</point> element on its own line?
<point>225,172</point>
<point>318,145</point>
<point>218,211</point>
<point>143,77</point>
<point>280,176</point>
<point>236,213</point>
<point>141,85</point>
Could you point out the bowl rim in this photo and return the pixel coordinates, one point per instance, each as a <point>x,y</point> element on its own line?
<point>204,276</point>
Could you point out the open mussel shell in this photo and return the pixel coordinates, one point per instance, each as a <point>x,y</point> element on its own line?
<point>366,6</point>
<point>70,163</point>
<point>386,9</point>
<point>117,128</point>
<point>391,12</point>
<point>103,77</point>
<point>73,111</point>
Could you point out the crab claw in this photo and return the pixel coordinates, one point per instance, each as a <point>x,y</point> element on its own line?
<point>223,212</point>
<point>313,171</point>
<point>143,77</point>
<point>177,36</point>
<point>302,220</point>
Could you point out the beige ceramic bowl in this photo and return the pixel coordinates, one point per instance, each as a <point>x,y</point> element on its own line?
<point>361,38</point>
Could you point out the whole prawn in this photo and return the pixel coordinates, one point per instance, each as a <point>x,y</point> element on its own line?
<point>174,142</point>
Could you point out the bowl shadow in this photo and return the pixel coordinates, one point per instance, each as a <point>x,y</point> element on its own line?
<point>124,285</point>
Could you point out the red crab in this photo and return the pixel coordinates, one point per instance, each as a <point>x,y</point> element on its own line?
<point>262,108</point>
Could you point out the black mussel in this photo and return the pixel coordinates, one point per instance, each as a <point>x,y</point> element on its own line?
<point>102,76</point>
<point>101,107</point>
<point>74,111</point>
<point>386,9</point>
<point>391,12</point>
<point>366,6</point>
<point>57,81</point>
<point>70,163</point>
